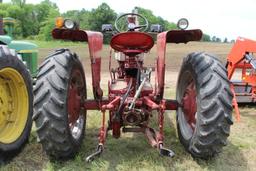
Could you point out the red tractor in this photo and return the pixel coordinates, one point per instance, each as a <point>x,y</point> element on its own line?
<point>203,96</point>
<point>241,65</point>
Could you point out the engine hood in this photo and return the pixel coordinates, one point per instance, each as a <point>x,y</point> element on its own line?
<point>22,45</point>
<point>5,39</point>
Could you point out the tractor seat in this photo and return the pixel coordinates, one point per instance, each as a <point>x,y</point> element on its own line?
<point>132,43</point>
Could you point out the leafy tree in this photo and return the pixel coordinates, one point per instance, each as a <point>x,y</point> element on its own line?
<point>214,39</point>
<point>101,15</point>
<point>218,39</point>
<point>152,19</point>
<point>3,11</point>
<point>39,19</point>
<point>20,3</point>
<point>72,14</point>
<point>81,17</point>
<point>206,38</point>
<point>48,25</point>
<point>84,19</point>
<point>232,41</point>
<point>225,40</point>
<point>42,10</point>
<point>27,18</point>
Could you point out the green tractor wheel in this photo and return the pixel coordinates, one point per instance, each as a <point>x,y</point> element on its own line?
<point>16,102</point>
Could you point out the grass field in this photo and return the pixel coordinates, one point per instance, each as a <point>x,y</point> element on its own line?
<point>131,151</point>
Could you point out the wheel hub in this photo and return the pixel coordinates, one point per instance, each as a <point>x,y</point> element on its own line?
<point>189,104</point>
<point>14,105</point>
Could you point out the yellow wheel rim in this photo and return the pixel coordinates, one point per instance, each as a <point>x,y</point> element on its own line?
<point>14,105</point>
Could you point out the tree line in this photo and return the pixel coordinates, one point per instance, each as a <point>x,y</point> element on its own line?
<point>35,21</point>
<point>208,38</point>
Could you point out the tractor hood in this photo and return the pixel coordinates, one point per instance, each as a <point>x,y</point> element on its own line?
<point>22,46</point>
<point>5,39</point>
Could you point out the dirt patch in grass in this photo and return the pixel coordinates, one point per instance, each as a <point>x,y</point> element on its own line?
<point>174,53</point>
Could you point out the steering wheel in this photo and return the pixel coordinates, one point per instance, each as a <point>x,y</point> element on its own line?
<point>131,26</point>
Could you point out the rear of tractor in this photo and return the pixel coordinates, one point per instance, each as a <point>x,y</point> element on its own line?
<point>16,101</point>
<point>203,96</point>
<point>241,65</point>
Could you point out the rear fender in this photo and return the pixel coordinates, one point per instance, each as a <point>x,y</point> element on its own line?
<point>172,36</point>
<point>95,42</point>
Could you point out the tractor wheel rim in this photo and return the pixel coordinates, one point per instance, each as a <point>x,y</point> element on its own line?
<point>77,127</point>
<point>14,105</point>
<point>75,114</point>
<point>189,108</point>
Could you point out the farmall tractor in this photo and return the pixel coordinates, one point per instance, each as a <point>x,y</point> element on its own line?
<point>16,100</point>
<point>203,96</point>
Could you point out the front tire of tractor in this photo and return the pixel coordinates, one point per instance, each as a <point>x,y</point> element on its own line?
<point>205,113</point>
<point>58,107</point>
<point>16,103</point>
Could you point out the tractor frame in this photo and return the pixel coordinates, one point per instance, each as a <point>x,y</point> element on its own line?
<point>60,99</point>
<point>153,100</point>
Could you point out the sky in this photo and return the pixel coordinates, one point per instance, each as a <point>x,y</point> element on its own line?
<point>222,18</point>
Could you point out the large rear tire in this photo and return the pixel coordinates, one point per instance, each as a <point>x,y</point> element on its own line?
<point>205,115</point>
<point>58,113</point>
<point>16,103</point>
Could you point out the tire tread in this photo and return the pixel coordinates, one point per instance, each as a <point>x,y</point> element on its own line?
<point>215,106</point>
<point>50,105</point>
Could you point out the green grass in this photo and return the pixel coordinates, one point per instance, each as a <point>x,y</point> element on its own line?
<point>55,43</point>
<point>132,152</point>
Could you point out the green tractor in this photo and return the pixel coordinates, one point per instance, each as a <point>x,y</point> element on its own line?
<point>28,51</point>
<point>16,95</point>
